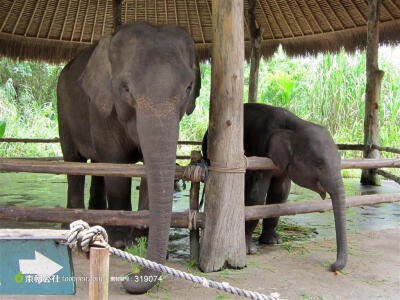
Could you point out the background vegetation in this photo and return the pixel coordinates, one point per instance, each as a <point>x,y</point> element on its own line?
<point>327,89</point>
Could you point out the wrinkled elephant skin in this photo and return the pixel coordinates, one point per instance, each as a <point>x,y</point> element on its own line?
<point>120,101</point>
<point>305,153</point>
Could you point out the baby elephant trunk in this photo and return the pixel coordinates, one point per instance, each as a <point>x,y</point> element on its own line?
<point>336,191</point>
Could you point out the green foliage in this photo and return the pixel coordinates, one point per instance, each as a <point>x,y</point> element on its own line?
<point>139,248</point>
<point>2,128</point>
<point>326,89</point>
<point>28,106</point>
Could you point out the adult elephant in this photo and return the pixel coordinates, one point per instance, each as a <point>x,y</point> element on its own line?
<point>305,154</point>
<point>120,101</point>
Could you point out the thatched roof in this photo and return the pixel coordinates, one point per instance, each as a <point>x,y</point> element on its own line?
<point>54,30</point>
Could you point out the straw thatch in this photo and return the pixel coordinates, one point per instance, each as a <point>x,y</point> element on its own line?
<point>54,30</point>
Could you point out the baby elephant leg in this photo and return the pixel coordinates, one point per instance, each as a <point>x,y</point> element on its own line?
<point>278,193</point>
<point>256,187</point>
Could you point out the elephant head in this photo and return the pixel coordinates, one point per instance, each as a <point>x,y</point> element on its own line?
<point>148,78</point>
<point>311,159</point>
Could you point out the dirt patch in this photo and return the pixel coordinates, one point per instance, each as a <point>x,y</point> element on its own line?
<point>372,272</point>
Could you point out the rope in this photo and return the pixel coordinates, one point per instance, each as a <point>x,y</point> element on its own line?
<point>192,219</point>
<point>82,236</point>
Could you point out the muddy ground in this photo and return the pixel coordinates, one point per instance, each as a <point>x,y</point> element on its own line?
<point>300,272</point>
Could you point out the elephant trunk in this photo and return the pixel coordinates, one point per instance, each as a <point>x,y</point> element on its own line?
<point>336,191</point>
<point>158,139</point>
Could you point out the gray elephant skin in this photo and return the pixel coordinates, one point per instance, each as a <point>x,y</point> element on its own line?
<point>305,154</point>
<point>121,101</point>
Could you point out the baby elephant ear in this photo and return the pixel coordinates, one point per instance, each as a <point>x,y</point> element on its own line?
<point>96,77</point>
<point>280,148</point>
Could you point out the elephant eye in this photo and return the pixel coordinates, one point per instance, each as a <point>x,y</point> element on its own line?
<point>124,87</point>
<point>189,88</point>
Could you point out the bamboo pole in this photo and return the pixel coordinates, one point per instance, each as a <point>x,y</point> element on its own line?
<point>372,92</point>
<point>225,213</point>
<point>179,219</point>
<point>116,4</point>
<point>255,42</point>
<point>99,273</point>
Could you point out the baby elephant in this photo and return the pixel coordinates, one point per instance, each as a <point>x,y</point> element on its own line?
<point>305,154</point>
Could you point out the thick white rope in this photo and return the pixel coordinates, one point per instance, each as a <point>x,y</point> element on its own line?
<point>82,236</point>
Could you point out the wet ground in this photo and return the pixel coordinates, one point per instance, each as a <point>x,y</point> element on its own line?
<point>297,268</point>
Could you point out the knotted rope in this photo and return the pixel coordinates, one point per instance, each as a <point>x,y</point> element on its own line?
<point>82,236</point>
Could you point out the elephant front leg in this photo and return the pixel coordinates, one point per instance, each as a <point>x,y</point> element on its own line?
<point>256,186</point>
<point>278,193</point>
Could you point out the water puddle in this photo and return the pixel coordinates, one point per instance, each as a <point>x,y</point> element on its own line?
<point>48,191</point>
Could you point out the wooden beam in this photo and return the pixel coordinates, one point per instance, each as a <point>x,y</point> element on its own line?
<point>287,209</point>
<point>225,191</point>
<point>388,175</point>
<point>138,219</point>
<point>134,170</point>
<point>117,14</point>
<point>372,92</point>
<point>255,42</point>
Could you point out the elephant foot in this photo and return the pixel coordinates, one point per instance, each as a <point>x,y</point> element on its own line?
<point>270,238</point>
<point>251,248</point>
<point>140,283</point>
<point>119,236</point>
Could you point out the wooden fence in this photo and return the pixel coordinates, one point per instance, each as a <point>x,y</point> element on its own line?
<point>191,219</point>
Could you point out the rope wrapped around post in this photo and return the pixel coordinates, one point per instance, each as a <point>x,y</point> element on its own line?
<point>82,236</point>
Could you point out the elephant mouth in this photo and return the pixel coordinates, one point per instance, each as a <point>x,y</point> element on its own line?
<point>320,190</point>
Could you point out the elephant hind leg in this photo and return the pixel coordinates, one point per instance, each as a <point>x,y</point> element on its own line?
<point>97,198</point>
<point>278,192</point>
<point>256,187</point>
<point>118,190</point>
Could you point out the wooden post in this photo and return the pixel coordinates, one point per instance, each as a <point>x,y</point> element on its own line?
<point>223,242</point>
<point>117,14</point>
<point>142,231</point>
<point>372,92</point>
<point>99,273</point>
<point>194,206</point>
<point>255,39</point>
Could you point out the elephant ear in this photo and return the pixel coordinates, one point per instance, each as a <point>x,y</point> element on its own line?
<point>96,78</point>
<point>279,148</point>
<point>196,88</point>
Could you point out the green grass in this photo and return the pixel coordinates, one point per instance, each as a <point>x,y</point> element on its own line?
<point>139,248</point>
<point>327,89</point>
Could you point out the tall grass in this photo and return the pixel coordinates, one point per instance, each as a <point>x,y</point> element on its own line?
<point>327,89</point>
<point>28,106</point>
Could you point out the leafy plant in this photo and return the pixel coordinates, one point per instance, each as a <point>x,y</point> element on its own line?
<point>139,248</point>
<point>2,128</point>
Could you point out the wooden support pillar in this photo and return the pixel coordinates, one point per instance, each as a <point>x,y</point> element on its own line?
<point>117,14</point>
<point>194,206</point>
<point>255,38</point>
<point>223,242</point>
<point>372,92</point>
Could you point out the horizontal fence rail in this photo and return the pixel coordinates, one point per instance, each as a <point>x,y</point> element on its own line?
<point>134,170</point>
<point>362,147</point>
<point>57,140</point>
<point>179,219</point>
